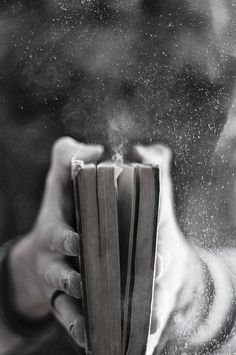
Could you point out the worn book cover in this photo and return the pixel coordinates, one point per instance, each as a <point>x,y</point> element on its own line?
<point>117,213</point>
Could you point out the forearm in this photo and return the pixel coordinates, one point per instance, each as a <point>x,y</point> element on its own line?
<point>206,322</point>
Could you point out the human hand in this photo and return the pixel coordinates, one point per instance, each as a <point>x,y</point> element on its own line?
<point>38,264</point>
<point>177,263</point>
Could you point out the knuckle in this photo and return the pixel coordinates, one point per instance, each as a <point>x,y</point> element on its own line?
<point>76,329</point>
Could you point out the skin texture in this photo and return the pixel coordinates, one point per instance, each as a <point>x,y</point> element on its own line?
<point>38,263</point>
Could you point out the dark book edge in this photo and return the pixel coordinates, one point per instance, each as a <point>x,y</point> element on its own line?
<point>156,174</point>
<point>107,175</point>
<point>126,217</point>
<point>76,167</point>
<point>132,256</point>
<point>138,342</point>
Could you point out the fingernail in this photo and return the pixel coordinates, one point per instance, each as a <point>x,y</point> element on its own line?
<point>77,330</point>
<point>71,243</point>
<point>75,286</point>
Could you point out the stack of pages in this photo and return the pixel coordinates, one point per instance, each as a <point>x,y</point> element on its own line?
<point>117,211</point>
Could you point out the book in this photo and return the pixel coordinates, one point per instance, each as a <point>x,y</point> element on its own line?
<point>117,214</point>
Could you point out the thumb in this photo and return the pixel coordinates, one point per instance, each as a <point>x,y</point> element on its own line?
<point>65,149</point>
<point>58,186</point>
<point>173,251</point>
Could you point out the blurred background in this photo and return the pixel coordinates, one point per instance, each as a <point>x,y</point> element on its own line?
<point>108,72</point>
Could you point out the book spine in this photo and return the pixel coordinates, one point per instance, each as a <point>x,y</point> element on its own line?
<point>76,169</point>
<point>156,174</point>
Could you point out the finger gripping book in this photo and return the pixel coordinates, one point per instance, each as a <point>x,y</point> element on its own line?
<point>117,212</point>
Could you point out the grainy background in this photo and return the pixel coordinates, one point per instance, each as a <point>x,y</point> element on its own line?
<point>116,73</point>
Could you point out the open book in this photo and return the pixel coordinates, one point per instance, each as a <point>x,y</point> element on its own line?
<point>117,211</point>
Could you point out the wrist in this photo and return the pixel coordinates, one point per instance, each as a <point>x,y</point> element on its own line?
<point>194,282</point>
<point>28,296</point>
<point>192,301</point>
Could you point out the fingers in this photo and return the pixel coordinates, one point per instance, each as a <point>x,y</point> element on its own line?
<point>68,312</point>
<point>59,174</point>
<point>160,155</point>
<point>63,239</point>
<point>61,276</point>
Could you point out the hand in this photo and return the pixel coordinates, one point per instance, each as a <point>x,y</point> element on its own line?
<point>37,263</point>
<point>176,261</point>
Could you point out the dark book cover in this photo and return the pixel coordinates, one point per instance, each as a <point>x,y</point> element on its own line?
<point>117,213</point>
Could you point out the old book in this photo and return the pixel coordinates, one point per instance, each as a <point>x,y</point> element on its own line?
<point>117,212</point>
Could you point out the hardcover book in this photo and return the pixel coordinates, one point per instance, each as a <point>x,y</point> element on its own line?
<point>117,212</point>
